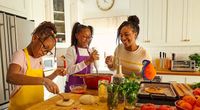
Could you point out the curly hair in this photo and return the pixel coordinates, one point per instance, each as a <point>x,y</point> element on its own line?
<point>44,30</point>
<point>133,22</point>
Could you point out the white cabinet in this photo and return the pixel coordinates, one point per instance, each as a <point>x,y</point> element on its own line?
<point>58,11</point>
<point>176,22</point>
<point>193,30</point>
<point>18,7</point>
<point>152,15</point>
<point>183,22</point>
<point>156,22</point>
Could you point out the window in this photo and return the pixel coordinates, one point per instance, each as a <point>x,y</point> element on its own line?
<point>104,37</point>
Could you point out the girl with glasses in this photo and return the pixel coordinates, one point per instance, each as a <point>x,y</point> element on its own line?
<point>25,71</point>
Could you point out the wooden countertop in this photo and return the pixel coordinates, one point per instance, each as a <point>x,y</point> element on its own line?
<point>50,104</point>
<point>168,72</point>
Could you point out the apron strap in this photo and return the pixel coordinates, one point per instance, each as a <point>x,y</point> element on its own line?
<point>27,58</point>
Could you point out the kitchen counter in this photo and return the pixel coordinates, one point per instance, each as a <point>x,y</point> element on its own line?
<point>168,72</point>
<point>50,104</point>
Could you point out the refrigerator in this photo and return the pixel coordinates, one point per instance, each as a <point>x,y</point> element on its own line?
<point>15,33</point>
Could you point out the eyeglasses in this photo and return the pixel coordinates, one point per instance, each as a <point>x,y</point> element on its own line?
<point>45,51</point>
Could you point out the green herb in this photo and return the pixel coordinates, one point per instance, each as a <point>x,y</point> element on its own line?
<point>195,85</point>
<point>196,58</point>
<point>130,88</point>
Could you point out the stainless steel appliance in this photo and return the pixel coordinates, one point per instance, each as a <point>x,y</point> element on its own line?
<point>183,65</point>
<point>15,33</point>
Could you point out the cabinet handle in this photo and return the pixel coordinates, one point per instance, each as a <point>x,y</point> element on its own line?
<point>185,40</point>
<point>188,40</point>
<point>147,41</point>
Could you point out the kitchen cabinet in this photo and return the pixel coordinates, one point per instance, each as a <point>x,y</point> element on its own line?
<point>58,11</point>
<point>18,7</point>
<point>156,22</point>
<point>152,15</point>
<point>183,22</point>
<point>193,21</point>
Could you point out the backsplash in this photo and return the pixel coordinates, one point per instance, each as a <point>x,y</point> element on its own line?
<point>182,52</point>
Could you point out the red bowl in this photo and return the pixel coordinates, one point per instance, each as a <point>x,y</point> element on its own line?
<point>178,107</point>
<point>92,80</point>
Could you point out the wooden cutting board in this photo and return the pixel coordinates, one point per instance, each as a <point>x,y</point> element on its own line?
<point>182,89</point>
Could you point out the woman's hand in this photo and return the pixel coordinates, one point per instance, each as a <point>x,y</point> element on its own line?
<point>60,71</point>
<point>93,56</point>
<point>109,61</point>
<point>51,86</point>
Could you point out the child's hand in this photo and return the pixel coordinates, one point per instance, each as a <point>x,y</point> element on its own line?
<point>93,56</point>
<point>60,71</point>
<point>109,61</point>
<point>51,86</point>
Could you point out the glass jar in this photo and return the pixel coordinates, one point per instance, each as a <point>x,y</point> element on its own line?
<point>102,90</point>
<point>112,100</point>
<point>130,101</point>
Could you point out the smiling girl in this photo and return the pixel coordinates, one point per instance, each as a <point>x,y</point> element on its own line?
<point>128,54</point>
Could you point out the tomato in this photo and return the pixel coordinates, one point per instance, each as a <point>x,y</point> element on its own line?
<point>196,91</point>
<point>148,106</point>
<point>165,107</point>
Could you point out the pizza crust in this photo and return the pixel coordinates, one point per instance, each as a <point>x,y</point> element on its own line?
<point>65,103</point>
<point>155,90</point>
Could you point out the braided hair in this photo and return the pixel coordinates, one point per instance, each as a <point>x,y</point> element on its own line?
<point>45,30</point>
<point>133,22</point>
<point>76,29</point>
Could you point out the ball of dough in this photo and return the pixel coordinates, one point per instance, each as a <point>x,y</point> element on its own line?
<point>87,99</point>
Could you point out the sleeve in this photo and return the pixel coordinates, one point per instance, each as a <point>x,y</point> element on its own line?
<point>71,60</point>
<point>114,60</point>
<point>18,58</point>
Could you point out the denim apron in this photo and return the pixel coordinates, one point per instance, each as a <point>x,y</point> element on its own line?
<point>76,79</point>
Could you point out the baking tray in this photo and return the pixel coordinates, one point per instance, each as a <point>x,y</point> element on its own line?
<point>168,91</point>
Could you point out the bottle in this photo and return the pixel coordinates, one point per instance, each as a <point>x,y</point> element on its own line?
<point>118,79</point>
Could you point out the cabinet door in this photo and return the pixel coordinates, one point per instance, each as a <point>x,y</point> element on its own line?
<point>193,21</point>
<point>176,22</point>
<point>156,22</point>
<point>18,7</point>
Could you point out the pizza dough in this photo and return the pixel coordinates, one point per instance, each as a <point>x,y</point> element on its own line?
<point>65,103</point>
<point>87,99</point>
<point>155,90</point>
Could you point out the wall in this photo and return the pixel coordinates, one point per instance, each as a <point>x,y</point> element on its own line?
<point>120,7</point>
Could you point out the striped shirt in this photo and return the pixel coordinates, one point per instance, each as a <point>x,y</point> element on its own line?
<point>131,61</point>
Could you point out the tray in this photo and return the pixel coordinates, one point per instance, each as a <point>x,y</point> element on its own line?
<point>168,91</point>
